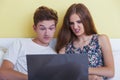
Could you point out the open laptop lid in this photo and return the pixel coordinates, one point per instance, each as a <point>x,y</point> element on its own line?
<point>58,67</point>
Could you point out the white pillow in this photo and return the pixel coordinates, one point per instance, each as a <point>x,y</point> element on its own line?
<point>1,56</point>
<point>116,56</point>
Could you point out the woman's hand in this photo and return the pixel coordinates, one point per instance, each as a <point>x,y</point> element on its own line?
<point>95,77</point>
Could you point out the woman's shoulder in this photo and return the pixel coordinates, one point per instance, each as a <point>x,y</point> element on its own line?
<point>103,38</point>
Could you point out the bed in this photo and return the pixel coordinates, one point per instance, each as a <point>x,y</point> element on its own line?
<point>115,43</point>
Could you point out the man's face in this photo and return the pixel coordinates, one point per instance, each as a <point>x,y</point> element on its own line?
<point>45,31</point>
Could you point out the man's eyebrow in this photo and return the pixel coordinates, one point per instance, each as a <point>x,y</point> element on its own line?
<point>41,25</point>
<point>49,26</point>
<point>52,25</point>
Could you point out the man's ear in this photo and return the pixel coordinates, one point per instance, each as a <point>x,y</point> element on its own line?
<point>34,27</point>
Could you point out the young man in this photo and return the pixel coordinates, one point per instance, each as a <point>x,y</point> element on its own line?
<point>14,66</point>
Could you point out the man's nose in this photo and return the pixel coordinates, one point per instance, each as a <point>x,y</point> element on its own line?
<point>47,32</point>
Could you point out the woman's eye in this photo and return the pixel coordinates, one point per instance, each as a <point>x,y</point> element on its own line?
<point>71,23</point>
<point>79,21</point>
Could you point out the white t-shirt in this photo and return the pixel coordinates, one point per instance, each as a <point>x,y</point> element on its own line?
<point>20,48</point>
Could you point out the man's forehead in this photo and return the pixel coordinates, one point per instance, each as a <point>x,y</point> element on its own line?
<point>46,23</point>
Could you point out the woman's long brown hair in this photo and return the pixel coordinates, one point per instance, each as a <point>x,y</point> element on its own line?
<point>65,34</point>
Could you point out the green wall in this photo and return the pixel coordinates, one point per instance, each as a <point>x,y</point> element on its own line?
<point>16,16</point>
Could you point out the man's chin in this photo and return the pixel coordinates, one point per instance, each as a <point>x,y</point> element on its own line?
<point>47,42</point>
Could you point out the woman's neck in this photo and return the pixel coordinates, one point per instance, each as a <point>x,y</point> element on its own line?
<point>82,41</point>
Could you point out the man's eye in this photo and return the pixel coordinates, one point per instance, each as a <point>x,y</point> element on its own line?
<point>42,28</point>
<point>52,28</point>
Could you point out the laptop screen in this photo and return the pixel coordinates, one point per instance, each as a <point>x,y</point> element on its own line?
<point>57,67</point>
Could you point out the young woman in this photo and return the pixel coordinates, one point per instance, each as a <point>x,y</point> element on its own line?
<point>78,35</point>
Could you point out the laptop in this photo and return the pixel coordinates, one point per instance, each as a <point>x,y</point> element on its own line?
<point>57,67</point>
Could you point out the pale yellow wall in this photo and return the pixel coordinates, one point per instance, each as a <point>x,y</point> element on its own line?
<point>16,15</point>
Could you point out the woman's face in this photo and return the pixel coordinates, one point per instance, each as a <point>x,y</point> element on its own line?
<point>76,25</point>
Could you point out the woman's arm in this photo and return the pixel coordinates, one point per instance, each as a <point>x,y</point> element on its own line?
<point>108,69</point>
<point>62,51</point>
<point>7,72</point>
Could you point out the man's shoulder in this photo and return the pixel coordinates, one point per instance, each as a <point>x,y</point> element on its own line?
<point>21,42</point>
<point>50,50</point>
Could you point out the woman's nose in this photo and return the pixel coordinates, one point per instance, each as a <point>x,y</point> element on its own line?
<point>75,25</point>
